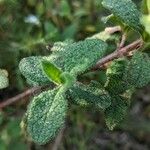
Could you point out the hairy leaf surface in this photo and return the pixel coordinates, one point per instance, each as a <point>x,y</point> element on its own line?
<point>137,72</point>
<point>126,11</point>
<point>3,79</point>
<point>116,112</point>
<point>31,68</point>
<point>45,115</point>
<point>90,95</point>
<point>115,72</point>
<point>78,56</point>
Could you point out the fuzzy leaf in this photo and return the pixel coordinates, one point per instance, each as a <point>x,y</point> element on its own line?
<point>116,112</point>
<point>126,11</point>
<point>78,56</point>
<point>90,95</point>
<point>45,115</point>
<point>31,68</point>
<point>145,20</point>
<point>115,83</point>
<point>137,72</point>
<point>52,72</point>
<point>3,79</point>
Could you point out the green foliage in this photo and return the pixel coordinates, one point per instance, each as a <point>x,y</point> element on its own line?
<point>3,79</point>
<point>45,115</point>
<point>77,57</point>
<point>116,112</point>
<point>90,95</point>
<point>126,11</point>
<point>69,61</point>
<point>115,72</point>
<point>52,72</point>
<point>123,76</point>
<point>31,68</point>
<point>137,72</point>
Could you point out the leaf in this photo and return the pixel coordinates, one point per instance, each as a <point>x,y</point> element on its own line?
<point>115,71</point>
<point>31,68</point>
<point>90,95</point>
<point>116,112</point>
<point>144,6</point>
<point>145,20</point>
<point>137,72</point>
<point>52,72</point>
<point>3,79</point>
<point>78,56</point>
<point>126,11</point>
<point>45,115</point>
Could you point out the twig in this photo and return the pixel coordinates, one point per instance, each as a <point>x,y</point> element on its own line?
<point>112,30</point>
<point>119,53</point>
<point>26,93</point>
<point>123,39</point>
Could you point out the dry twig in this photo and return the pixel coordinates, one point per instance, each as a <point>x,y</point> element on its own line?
<point>119,53</point>
<point>14,99</point>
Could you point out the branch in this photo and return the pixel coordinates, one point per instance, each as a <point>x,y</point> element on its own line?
<point>119,53</point>
<point>26,93</point>
<point>112,30</point>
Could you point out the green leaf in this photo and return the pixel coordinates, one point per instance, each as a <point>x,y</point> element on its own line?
<point>78,56</point>
<point>90,95</point>
<point>45,115</point>
<point>126,11</point>
<point>3,79</point>
<point>31,68</point>
<point>116,112</point>
<point>115,71</point>
<point>137,72</point>
<point>145,20</point>
<point>52,72</point>
<point>144,6</point>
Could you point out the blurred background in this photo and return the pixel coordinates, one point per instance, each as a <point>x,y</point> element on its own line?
<point>30,27</point>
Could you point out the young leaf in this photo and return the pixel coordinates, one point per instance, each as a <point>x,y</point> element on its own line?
<point>145,20</point>
<point>45,115</point>
<point>31,68</point>
<point>89,95</point>
<point>116,112</point>
<point>52,72</point>
<point>126,11</point>
<point>137,72</point>
<point>3,79</point>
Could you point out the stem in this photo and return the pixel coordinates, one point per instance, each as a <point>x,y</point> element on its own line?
<point>26,93</point>
<point>112,30</point>
<point>119,53</point>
